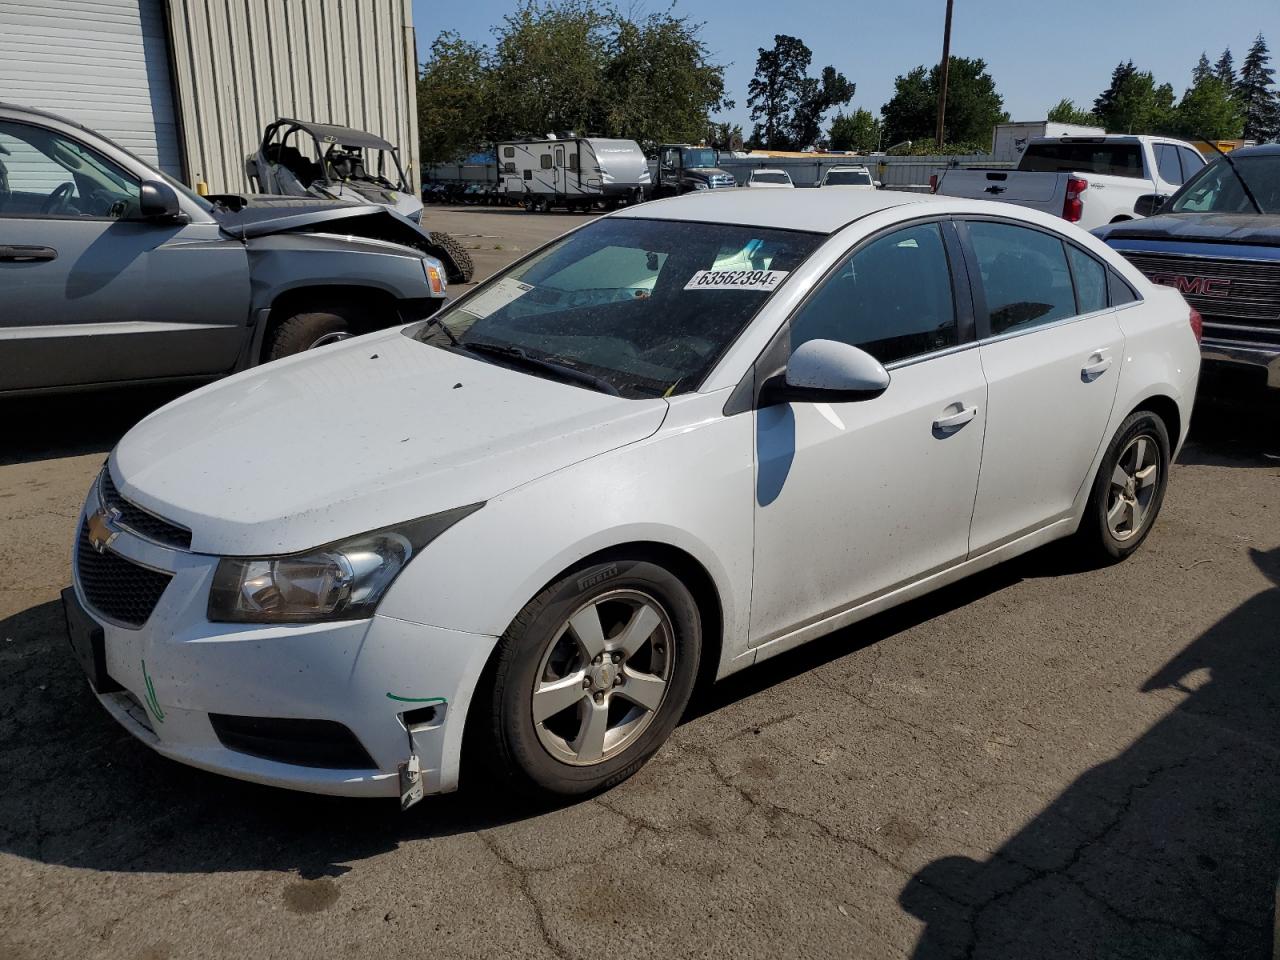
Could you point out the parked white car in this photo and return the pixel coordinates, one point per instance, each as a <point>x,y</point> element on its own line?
<point>770,179</point>
<point>1088,181</point>
<point>850,178</point>
<point>666,446</point>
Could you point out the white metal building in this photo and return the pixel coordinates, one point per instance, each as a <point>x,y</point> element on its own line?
<point>190,84</point>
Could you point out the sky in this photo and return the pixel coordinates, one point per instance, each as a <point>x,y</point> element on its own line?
<point>1035,50</point>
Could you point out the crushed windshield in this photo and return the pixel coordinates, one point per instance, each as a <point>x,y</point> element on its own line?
<point>1216,188</point>
<point>641,307</point>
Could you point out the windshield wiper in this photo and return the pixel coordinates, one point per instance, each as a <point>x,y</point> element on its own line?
<point>562,371</point>
<point>440,324</point>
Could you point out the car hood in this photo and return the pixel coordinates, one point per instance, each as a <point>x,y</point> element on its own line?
<point>265,214</point>
<point>1249,228</point>
<point>357,436</point>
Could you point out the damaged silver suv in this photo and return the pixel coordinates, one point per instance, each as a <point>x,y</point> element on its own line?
<point>112,272</point>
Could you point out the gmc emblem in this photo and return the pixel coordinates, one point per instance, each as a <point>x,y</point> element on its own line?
<point>1195,286</point>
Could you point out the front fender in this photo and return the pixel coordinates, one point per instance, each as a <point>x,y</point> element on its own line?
<point>690,486</point>
<point>282,262</point>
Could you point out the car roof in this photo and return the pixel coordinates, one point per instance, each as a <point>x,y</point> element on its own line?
<point>1257,150</point>
<point>346,136</point>
<point>804,209</point>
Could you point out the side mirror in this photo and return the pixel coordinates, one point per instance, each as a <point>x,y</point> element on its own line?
<point>827,371</point>
<point>158,201</point>
<point>877,184</point>
<point>1149,204</point>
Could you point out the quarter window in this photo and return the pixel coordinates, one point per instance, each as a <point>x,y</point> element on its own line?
<point>1192,161</point>
<point>892,298</point>
<point>1091,281</point>
<point>1024,275</point>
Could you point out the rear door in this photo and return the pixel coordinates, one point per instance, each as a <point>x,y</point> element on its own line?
<point>1051,352</point>
<point>92,292</point>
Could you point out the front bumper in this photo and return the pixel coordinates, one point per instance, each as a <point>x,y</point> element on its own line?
<point>177,669</point>
<point>1235,353</point>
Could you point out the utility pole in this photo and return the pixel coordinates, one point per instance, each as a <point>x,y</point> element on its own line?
<point>946,69</point>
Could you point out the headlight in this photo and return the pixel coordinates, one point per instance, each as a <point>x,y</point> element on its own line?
<point>699,185</point>
<point>341,581</point>
<point>434,270</point>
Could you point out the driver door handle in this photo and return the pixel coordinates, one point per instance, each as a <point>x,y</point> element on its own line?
<point>18,254</point>
<point>951,421</point>
<point>1099,363</point>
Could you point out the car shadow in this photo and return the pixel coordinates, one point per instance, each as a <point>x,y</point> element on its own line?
<point>1170,849</point>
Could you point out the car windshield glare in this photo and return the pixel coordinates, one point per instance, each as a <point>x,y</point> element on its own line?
<point>644,306</point>
<point>1216,188</point>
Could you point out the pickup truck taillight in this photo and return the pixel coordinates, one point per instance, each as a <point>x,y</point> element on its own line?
<point>1072,205</point>
<point>1197,324</point>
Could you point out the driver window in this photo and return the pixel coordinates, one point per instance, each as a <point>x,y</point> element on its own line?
<point>47,176</point>
<point>892,298</point>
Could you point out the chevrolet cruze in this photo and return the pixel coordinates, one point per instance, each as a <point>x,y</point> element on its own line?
<point>671,444</point>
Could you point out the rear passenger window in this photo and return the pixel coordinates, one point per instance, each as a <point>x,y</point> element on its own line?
<point>1192,161</point>
<point>892,298</point>
<point>1091,281</point>
<point>1167,163</point>
<point>1024,275</point>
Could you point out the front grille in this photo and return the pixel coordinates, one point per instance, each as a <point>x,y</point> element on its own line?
<point>1235,292</point>
<point>304,743</point>
<point>719,180</point>
<point>142,522</point>
<point>117,588</point>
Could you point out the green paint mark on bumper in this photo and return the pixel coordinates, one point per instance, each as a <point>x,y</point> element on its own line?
<point>392,696</point>
<point>152,702</point>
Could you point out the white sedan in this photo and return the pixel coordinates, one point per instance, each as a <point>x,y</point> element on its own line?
<point>770,179</point>
<point>662,448</point>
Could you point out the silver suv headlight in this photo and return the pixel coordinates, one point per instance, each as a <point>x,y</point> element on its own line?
<point>340,581</point>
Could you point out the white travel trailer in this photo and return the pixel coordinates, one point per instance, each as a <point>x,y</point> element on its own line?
<point>574,172</point>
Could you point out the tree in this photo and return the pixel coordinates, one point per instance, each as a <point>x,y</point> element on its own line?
<point>1065,111</point>
<point>787,105</point>
<point>1258,101</point>
<point>973,105</point>
<point>1201,69</point>
<point>453,116</point>
<point>1209,110</point>
<point>1134,104</point>
<point>859,131</point>
<point>725,136</point>
<point>1225,69</point>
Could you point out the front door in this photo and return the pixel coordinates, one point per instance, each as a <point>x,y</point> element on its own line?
<point>92,292</point>
<point>855,499</point>
<point>1052,351</point>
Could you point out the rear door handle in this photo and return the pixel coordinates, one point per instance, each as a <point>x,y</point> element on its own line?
<point>19,254</point>
<point>1099,363</point>
<point>953,420</point>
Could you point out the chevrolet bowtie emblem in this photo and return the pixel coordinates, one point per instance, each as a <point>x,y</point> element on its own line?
<point>102,528</point>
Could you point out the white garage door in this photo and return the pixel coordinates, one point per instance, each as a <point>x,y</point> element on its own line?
<point>103,63</point>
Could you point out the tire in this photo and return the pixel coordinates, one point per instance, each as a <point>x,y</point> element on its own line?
<point>458,267</point>
<point>1141,441</point>
<point>527,203</point>
<point>314,328</point>
<point>556,756</point>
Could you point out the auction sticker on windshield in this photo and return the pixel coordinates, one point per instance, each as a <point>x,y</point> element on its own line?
<point>735,279</point>
<point>496,297</point>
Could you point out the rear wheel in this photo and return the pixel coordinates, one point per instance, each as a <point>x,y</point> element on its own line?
<point>458,267</point>
<point>1128,490</point>
<point>590,679</point>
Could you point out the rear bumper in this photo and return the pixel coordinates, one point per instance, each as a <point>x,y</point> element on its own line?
<point>1233,353</point>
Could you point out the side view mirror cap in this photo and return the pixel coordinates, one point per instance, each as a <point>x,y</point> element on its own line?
<point>158,201</point>
<point>828,371</point>
<point>1149,204</point>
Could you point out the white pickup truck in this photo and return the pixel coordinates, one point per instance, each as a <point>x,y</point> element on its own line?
<point>1088,181</point>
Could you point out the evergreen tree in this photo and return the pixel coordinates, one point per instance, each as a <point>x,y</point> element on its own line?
<point>1225,68</point>
<point>1257,98</point>
<point>1202,70</point>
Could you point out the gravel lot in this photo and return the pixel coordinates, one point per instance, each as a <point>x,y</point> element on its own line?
<point>1043,761</point>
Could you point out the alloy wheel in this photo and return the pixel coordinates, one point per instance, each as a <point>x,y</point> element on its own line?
<point>328,338</point>
<point>1134,483</point>
<point>603,677</point>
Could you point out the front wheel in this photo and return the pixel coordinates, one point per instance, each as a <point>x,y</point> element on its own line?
<point>590,679</point>
<point>1128,490</point>
<point>310,329</point>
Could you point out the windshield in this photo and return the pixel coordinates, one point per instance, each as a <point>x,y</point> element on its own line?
<point>1112,159</point>
<point>699,158</point>
<point>848,178</point>
<point>770,177</point>
<point>1216,189</point>
<point>645,306</point>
